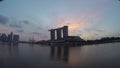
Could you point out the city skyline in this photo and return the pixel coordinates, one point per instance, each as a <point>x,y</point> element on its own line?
<point>10,38</point>
<point>88,19</point>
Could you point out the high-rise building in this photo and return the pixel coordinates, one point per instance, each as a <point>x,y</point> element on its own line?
<point>15,38</point>
<point>52,34</point>
<point>59,34</point>
<point>0,36</point>
<point>4,37</point>
<point>65,31</point>
<point>10,37</point>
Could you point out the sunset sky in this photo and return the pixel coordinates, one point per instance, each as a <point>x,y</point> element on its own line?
<point>89,19</point>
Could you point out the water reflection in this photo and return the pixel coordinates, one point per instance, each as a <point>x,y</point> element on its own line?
<point>52,52</point>
<point>38,56</point>
<point>8,54</point>
<point>59,53</point>
<point>8,49</point>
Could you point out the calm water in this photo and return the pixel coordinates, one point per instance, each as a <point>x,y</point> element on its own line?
<point>38,56</point>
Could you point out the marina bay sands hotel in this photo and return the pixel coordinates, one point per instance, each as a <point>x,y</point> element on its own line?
<point>61,34</point>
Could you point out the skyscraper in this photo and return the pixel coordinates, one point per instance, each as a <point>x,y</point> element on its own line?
<point>65,31</point>
<point>3,37</point>
<point>16,38</point>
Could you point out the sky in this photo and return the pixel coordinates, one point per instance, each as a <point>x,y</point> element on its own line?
<point>89,19</point>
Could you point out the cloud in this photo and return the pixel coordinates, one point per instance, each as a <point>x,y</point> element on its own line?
<point>25,22</point>
<point>18,23</point>
<point>20,27</point>
<point>102,1</point>
<point>20,31</point>
<point>3,20</point>
<point>15,25</point>
<point>75,23</point>
<point>6,29</point>
<point>92,33</point>
<point>78,23</point>
<point>1,0</point>
<point>94,30</point>
<point>37,33</point>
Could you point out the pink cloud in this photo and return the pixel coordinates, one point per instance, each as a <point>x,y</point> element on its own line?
<point>75,23</point>
<point>6,29</point>
<point>102,1</point>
